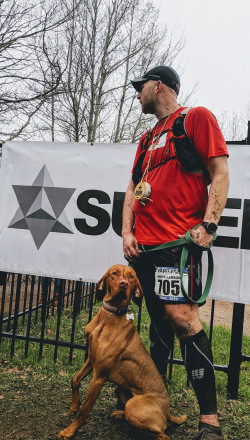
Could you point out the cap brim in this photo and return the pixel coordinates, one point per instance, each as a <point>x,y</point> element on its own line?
<point>138,82</point>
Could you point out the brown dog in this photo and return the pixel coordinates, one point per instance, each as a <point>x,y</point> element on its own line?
<point>116,354</point>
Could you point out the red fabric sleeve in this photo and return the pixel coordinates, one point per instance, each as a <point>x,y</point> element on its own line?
<point>203,129</point>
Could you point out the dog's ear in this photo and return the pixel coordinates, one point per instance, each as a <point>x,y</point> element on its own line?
<point>137,293</point>
<point>101,288</point>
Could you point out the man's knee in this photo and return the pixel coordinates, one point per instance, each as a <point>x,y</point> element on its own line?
<point>184,319</point>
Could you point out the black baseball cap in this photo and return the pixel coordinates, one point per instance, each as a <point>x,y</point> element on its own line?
<point>166,74</point>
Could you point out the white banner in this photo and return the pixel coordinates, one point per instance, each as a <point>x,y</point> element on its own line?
<point>61,205</point>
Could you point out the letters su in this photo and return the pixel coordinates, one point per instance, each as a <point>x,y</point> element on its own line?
<point>99,213</point>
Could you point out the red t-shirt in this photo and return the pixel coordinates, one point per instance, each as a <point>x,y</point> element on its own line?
<point>178,197</point>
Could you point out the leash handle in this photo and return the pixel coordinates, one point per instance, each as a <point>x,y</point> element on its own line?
<point>188,242</point>
<point>210,272</point>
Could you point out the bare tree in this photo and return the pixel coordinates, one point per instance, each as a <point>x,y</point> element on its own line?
<point>234,125</point>
<point>105,45</point>
<point>66,74</point>
<point>26,64</point>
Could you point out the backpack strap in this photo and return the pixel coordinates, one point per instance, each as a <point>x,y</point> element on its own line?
<point>137,172</point>
<point>185,151</point>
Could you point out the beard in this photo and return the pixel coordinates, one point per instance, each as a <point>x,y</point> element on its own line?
<point>148,103</point>
<point>148,108</point>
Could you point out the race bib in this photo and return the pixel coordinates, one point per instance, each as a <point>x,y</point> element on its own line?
<point>168,283</point>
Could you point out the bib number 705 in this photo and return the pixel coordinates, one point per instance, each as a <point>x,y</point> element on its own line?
<point>168,283</point>
<point>169,287</point>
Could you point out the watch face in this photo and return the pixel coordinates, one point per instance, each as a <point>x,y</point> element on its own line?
<point>211,228</point>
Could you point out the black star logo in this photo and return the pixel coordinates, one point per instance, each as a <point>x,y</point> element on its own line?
<point>41,208</point>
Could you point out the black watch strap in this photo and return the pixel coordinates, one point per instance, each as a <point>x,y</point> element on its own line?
<point>210,227</point>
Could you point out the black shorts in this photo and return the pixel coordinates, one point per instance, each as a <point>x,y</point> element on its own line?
<point>158,272</point>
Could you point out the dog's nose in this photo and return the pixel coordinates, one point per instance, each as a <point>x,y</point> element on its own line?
<point>123,284</point>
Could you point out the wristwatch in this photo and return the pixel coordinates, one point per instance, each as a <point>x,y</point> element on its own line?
<point>210,227</point>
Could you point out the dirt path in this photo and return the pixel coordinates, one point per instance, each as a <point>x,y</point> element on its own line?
<point>223,314</point>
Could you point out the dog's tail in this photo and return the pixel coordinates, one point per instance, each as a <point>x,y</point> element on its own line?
<point>178,420</point>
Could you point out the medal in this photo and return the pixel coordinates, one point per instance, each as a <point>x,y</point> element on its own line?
<point>142,192</point>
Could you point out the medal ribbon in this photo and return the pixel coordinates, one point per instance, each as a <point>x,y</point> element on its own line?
<point>155,142</point>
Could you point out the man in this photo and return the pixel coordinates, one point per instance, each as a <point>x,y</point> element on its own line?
<point>163,201</point>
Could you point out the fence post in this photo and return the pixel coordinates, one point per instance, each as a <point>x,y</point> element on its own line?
<point>43,314</point>
<point>18,293</point>
<point>248,133</point>
<point>2,308</point>
<point>76,311</point>
<point>235,351</point>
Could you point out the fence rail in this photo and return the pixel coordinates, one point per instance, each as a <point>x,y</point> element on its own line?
<point>28,303</point>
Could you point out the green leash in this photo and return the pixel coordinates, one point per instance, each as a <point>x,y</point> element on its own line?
<point>188,243</point>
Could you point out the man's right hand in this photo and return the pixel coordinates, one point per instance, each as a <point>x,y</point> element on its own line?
<point>130,247</point>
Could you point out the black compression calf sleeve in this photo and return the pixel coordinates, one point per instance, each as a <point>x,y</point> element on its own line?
<point>198,359</point>
<point>161,337</point>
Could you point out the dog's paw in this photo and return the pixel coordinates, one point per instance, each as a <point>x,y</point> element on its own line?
<point>73,412</point>
<point>61,436</point>
<point>118,415</point>
<point>65,434</point>
<point>177,420</point>
<point>74,409</point>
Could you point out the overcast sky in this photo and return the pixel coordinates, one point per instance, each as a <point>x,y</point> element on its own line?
<point>217,52</point>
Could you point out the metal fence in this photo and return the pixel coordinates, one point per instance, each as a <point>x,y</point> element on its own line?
<point>24,305</point>
<point>29,301</point>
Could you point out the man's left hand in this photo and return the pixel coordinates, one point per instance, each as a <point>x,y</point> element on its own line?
<point>200,236</point>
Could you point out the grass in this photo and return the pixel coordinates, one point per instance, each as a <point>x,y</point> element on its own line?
<point>35,395</point>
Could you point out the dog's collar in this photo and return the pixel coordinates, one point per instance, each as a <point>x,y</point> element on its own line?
<point>118,311</point>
